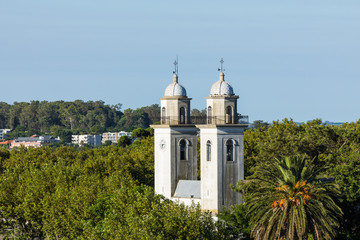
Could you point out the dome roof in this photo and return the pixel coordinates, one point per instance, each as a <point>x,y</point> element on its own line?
<point>175,89</point>
<point>221,87</point>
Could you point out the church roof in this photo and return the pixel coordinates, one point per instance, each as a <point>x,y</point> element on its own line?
<point>34,138</point>
<point>175,89</point>
<point>221,87</point>
<point>188,189</point>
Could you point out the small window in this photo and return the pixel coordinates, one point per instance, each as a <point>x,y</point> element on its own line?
<point>229,115</point>
<point>163,115</point>
<point>183,148</point>
<point>182,115</point>
<point>229,150</point>
<point>209,115</point>
<point>208,151</point>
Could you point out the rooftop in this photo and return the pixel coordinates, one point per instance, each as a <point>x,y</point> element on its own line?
<point>188,189</point>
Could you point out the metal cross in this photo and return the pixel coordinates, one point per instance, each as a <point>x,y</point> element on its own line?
<point>176,66</point>
<point>221,62</point>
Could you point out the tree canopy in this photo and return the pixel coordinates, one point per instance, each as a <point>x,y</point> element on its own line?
<point>63,119</point>
<point>287,201</point>
<point>92,193</point>
<point>107,192</point>
<point>334,147</point>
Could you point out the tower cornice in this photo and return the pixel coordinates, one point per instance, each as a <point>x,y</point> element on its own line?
<point>175,98</point>
<point>222,97</point>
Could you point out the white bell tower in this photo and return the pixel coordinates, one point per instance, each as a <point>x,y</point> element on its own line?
<point>175,141</point>
<point>221,147</point>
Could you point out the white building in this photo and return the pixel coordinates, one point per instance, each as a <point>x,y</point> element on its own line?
<point>114,136</point>
<point>221,146</point>
<point>92,140</point>
<point>3,133</point>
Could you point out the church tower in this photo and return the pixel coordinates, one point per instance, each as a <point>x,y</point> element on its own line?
<point>221,147</point>
<point>175,140</point>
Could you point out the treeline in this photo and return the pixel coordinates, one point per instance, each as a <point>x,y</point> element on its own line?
<point>62,118</point>
<point>107,192</point>
<point>92,193</point>
<point>336,149</point>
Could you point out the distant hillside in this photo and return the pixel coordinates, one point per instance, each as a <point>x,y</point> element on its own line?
<point>62,118</point>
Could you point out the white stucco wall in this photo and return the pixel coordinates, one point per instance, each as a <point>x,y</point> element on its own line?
<point>163,161</point>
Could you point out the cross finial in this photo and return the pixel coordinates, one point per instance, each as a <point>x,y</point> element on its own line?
<point>221,62</point>
<point>176,66</point>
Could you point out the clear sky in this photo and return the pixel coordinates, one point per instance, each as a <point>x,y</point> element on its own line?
<point>298,59</point>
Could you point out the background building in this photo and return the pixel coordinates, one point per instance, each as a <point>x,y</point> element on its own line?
<point>92,140</point>
<point>3,133</point>
<point>114,136</point>
<point>33,141</point>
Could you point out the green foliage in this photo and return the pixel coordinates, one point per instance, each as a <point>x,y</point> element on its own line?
<point>46,193</point>
<point>124,141</point>
<point>140,133</point>
<point>237,221</point>
<point>260,123</point>
<point>137,213</point>
<point>105,193</point>
<point>4,154</point>
<point>336,147</point>
<point>41,117</point>
<point>150,131</point>
<point>107,143</point>
<point>139,118</point>
<point>78,117</point>
<point>64,134</point>
<point>312,140</point>
<point>197,113</point>
<point>93,193</point>
<point>290,202</point>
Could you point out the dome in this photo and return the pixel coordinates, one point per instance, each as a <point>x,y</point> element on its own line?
<point>221,87</point>
<point>175,89</point>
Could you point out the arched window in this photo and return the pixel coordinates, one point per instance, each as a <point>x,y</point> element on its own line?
<point>183,149</point>
<point>163,115</point>
<point>182,115</point>
<point>229,150</point>
<point>209,115</point>
<point>229,115</point>
<point>208,151</point>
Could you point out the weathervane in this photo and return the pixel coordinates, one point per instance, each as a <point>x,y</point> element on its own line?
<point>221,62</point>
<point>176,71</point>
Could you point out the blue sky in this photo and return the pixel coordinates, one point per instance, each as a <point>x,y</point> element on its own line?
<point>298,59</point>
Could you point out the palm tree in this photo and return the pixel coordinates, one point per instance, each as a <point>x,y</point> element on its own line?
<point>290,203</point>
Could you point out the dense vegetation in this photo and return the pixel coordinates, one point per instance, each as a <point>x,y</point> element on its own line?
<point>78,117</point>
<point>107,192</point>
<point>333,152</point>
<point>291,203</point>
<point>92,193</point>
